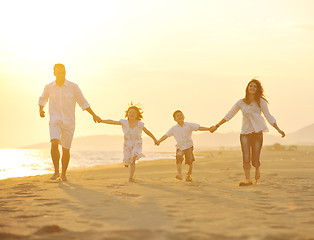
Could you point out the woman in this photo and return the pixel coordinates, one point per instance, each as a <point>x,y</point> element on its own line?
<point>253,126</point>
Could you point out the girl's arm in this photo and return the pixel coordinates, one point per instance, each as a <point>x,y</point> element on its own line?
<point>112,122</point>
<point>150,134</point>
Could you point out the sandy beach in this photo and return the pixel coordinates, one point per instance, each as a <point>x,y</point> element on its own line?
<point>99,202</point>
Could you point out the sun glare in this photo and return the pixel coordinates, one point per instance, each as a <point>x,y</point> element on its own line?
<point>19,163</point>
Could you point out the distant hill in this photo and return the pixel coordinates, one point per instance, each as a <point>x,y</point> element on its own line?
<point>202,140</point>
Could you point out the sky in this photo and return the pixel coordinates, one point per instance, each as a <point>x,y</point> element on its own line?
<point>196,56</point>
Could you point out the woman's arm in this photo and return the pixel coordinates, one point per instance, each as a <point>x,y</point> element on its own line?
<point>112,122</point>
<point>279,130</point>
<point>214,128</point>
<point>233,111</point>
<point>270,118</point>
<point>149,134</point>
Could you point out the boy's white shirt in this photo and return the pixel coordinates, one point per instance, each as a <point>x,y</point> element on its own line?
<point>183,135</point>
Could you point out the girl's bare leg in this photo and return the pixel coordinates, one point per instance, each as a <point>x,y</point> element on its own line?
<point>132,170</point>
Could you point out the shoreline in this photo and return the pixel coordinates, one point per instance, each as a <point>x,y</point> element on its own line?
<point>99,203</point>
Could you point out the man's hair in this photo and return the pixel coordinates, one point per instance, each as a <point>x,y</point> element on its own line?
<point>58,65</point>
<point>177,111</point>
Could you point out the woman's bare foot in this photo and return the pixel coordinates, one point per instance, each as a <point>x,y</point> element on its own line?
<point>55,176</point>
<point>63,177</point>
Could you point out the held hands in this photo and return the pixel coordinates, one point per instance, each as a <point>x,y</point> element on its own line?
<point>96,119</point>
<point>213,129</point>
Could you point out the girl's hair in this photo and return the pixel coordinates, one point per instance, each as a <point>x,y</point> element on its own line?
<point>137,109</point>
<point>258,95</point>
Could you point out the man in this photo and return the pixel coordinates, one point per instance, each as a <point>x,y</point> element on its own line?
<point>63,96</point>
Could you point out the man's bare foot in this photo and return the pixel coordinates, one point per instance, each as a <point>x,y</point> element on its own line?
<point>55,176</point>
<point>131,180</point>
<point>178,177</point>
<point>257,174</point>
<point>246,182</point>
<point>64,178</point>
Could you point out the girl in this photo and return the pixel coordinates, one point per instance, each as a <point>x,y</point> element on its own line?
<point>132,128</point>
<point>253,126</point>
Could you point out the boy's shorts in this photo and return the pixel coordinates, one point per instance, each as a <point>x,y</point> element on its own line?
<point>187,154</point>
<point>62,133</point>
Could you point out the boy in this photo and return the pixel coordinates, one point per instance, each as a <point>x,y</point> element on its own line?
<point>182,132</point>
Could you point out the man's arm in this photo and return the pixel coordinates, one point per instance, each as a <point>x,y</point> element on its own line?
<point>43,99</point>
<point>95,117</point>
<point>41,111</point>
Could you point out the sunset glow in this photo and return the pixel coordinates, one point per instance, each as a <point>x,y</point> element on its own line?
<point>192,55</point>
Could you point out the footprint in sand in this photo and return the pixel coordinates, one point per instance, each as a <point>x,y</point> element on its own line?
<point>28,216</point>
<point>7,209</point>
<point>128,195</point>
<point>116,185</point>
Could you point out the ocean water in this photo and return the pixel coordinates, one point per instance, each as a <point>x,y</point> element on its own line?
<point>31,162</point>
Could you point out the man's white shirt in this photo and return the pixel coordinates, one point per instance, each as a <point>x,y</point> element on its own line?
<point>62,102</point>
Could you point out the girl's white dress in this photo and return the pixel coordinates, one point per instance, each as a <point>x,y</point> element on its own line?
<point>132,146</point>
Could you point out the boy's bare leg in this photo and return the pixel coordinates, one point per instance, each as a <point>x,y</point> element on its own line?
<point>55,156</point>
<point>65,162</point>
<point>189,173</point>
<point>179,169</point>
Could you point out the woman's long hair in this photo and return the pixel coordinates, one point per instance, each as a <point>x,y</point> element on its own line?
<point>258,95</point>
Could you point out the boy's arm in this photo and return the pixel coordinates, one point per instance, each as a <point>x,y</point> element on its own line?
<point>150,134</point>
<point>203,128</point>
<point>112,122</point>
<point>163,138</point>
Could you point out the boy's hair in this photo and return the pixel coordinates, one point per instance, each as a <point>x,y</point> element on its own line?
<point>137,109</point>
<point>177,111</point>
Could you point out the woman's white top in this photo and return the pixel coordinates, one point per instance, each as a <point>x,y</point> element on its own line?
<point>252,120</point>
